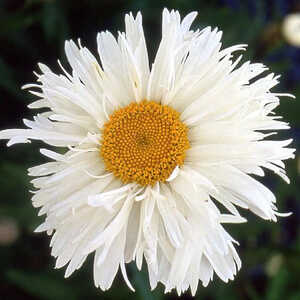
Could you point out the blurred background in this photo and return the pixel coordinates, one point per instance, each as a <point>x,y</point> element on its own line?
<point>34,31</point>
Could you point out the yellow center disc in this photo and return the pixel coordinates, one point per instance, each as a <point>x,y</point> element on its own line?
<point>143,142</point>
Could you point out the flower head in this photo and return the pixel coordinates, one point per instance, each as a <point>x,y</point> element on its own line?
<point>291,29</point>
<point>151,151</point>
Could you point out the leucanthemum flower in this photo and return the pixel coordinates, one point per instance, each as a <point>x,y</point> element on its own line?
<point>152,152</point>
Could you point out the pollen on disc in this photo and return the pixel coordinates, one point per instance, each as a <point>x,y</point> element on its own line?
<point>143,142</point>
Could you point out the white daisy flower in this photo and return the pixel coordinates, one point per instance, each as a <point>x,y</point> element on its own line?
<point>151,151</point>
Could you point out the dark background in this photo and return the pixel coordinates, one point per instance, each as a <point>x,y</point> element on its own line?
<point>34,31</point>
